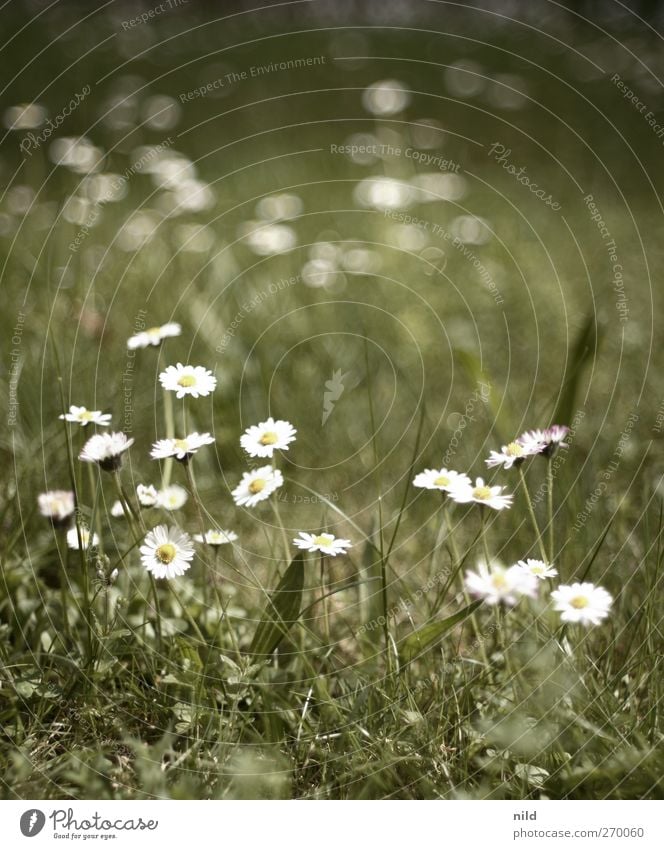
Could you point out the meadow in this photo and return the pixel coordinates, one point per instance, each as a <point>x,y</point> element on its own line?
<point>413,234</point>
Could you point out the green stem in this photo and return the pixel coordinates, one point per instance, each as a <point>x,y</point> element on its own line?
<point>325,602</point>
<point>549,496</point>
<point>169,422</point>
<point>533,518</point>
<point>485,543</point>
<point>201,522</point>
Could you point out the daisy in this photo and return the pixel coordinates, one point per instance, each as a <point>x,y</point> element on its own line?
<point>172,497</point>
<point>538,568</point>
<point>495,583</point>
<point>83,416</point>
<point>188,380</point>
<point>117,510</point>
<point>106,449</point>
<point>147,495</point>
<point>181,449</point>
<point>584,603</point>
<point>256,486</point>
<point>550,439</point>
<point>325,543</point>
<point>154,335</point>
<point>441,479</point>
<point>215,537</point>
<point>87,539</point>
<point>263,439</point>
<point>167,552</point>
<point>56,505</point>
<point>514,454</point>
<point>488,496</point>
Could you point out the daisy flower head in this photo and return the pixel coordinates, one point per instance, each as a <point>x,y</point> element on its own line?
<point>538,568</point>
<point>83,416</point>
<point>550,439</point>
<point>181,449</point>
<point>87,539</point>
<point>263,439</point>
<point>494,583</point>
<point>188,380</point>
<point>583,603</point>
<point>172,497</point>
<point>56,505</point>
<point>256,486</point>
<point>514,454</point>
<point>481,493</point>
<point>216,537</point>
<point>117,510</point>
<point>325,543</point>
<point>167,552</point>
<point>441,479</point>
<point>106,449</point>
<point>147,495</point>
<point>154,335</point>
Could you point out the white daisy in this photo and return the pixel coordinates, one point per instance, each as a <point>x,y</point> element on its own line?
<point>56,505</point>
<point>106,449</point>
<point>442,479</point>
<point>188,380</point>
<point>513,454</point>
<point>83,416</point>
<point>215,537</point>
<point>263,439</point>
<point>117,510</point>
<point>583,603</point>
<point>154,335</point>
<point>87,539</point>
<point>550,439</point>
<point>181,449</point>
<point>147,495</point>
<point>172,497</point>
<point>488,496</point>
<point>538,568</point>
<point>167,552</point>
<point>494,583</point>
<point>256,486</point>
<point>325,543</point>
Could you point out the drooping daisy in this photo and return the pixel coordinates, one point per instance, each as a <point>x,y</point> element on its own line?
<point>481,493</point>
<point>106,449</point>
<point>147,495</point>
<point>256,486</point>
<point>215,537</point>
<point>583,603</point>
<point>442,479</point>
<point>56,505</point>
<point>83,416</point>
<point>117,510</point>
<point>154,335</point>
<point>538,568</point>
<point>181,449</point>
<point>325,543</point>
<point>263,439</point>
<point>188,380</point>
<point>514,454</point>
<point>87,539</point>
<point>167,552</point>
<point>551,438</point>
<point>496,584</point>
<point>172,497</point>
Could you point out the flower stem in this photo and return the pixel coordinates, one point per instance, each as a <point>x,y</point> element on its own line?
<point>169,422</point>
<point>201,522</point>
<point>533,518</point>
<point>324,601</point>
<point>549,495</point>
<point>485,543</point>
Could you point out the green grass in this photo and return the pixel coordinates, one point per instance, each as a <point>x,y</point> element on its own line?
<point>102,705</point>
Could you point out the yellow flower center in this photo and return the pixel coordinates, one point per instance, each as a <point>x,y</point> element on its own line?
<point>269,438</point>
<point>85,415</point>
<point>483,493</point>
<point>579,602</point>
<point>186,380</point>
<point>514,449</point>
<point>153,331</point>
<point>536,570</point>
<point>166,552</point>
<point>181,444</point>
<point>441,480</point>
<point>499,581</point>
<point>257,485</point>
<point>323,539</point>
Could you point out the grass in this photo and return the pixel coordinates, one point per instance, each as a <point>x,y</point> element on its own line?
<point>213,686</point>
